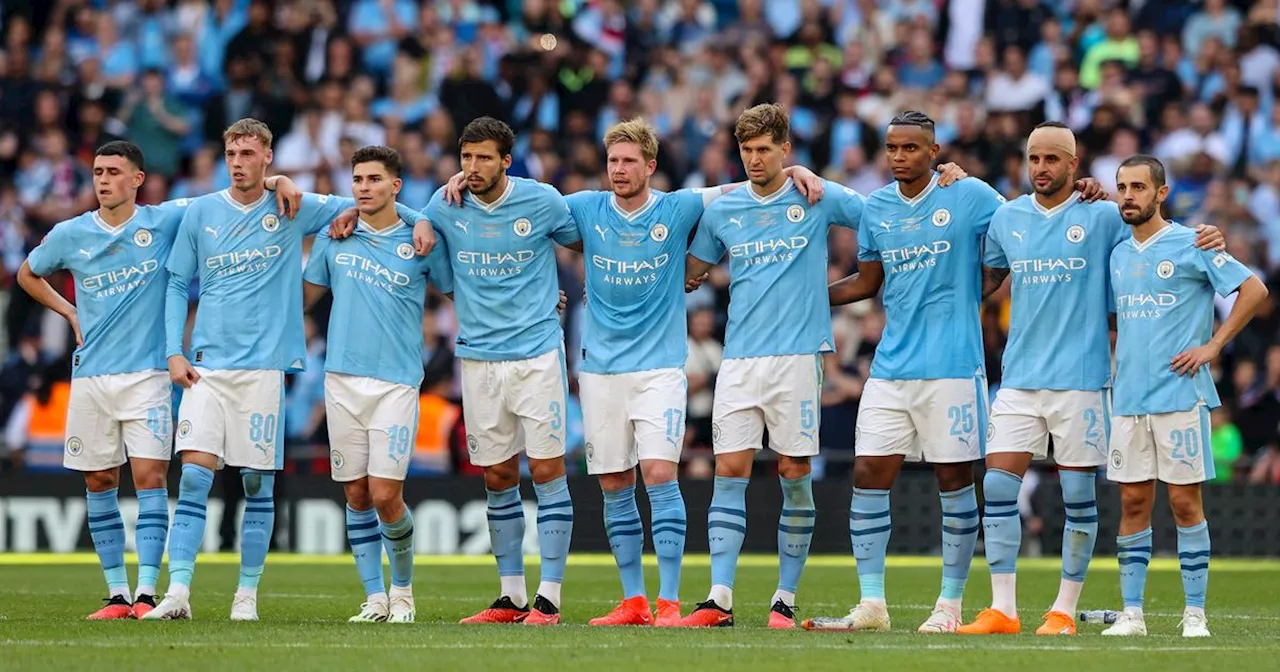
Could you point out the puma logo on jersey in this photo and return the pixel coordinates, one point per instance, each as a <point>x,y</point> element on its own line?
<point>85,253</point>
<point>461,225</point>
<point>885,226</point>
<point>600,231</point>
<point>735,220</point>
<point>212,231</point>
<point>1016,234</point>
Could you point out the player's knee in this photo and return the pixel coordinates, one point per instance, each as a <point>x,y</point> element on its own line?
<point>1135,503</point>
<point>505,475</point>
<point>1186,506</point>
<point>358,496</point>
<point>952,477</point>
<point>101,481</point>
<point>657,472</point>
<point>872,474</point>
<point>390,506</point>
<point>618,481</point>
<point>1013,463</point>
<point>735,465</point>
<point>793,467</point>
<point>149,479</point>
<point>545,470</point>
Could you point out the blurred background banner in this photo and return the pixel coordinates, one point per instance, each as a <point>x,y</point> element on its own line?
<point>46,513</point>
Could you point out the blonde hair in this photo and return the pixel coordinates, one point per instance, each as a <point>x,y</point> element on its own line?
<point>248,128</point>
<point>765,119</point>
<point>636,131</point>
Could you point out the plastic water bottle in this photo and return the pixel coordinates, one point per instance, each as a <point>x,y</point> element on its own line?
<point>1099,616</point>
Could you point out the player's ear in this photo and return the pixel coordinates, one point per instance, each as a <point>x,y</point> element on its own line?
<point>786,147</point>
<point>270,155</point>
<point>652,167</point>
<point>138,178</point>
<point>396,184</point>
<point>506,161</point>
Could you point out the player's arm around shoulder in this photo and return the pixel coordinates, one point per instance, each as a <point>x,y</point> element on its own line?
<point>707,249</point>
<point>563,228</point>
<point>995,264</point>
<point>847,205</point>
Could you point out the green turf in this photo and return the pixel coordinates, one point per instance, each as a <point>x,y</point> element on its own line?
<point>304,603</point>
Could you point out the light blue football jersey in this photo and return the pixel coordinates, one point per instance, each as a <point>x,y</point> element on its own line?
<point>634,262</point>
<point>249,262</point>
<point>1059,267</point>
<point>931,249</point>
<point>1164,305</point>
<point>120,285</point>
<point>777,246</point>
<point>379,287</point>
<point>504,269</point>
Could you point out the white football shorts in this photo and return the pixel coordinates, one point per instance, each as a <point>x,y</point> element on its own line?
<point>237,415</point>
<point>781,392</point>
<point>117,417</point>
<point>373,426</point>
<point>514,405</point>
<point>634,416</point>
<point>1169,447</point>
<point>938,421</point>
<point>1078,420</point>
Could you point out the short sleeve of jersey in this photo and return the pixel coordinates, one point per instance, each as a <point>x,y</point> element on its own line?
<point>582,207</point>
<point>983,201</point>
<point>51,254</point>
<point>317,271</point>
<point>691,203</point>
<point>846,205</point>
<point>706,245</point>
<point>434,212</point>
<point>439,271</point>
<point>563,228</point>
<point>994,256</point>
<point>318,210</point>
<point>168,215</point>
<point>704,195</point>
<point>182,259</point>
<point>867,249</point>
<point>1224,272</point>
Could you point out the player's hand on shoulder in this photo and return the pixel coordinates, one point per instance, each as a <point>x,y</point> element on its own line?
<point>564,302</point>
<point>808,183</point>
<point>1210,238</point>
<point>288,196</point>
<point>949,173</point>
<point>453,188</point>
<point>1091,190</point>
<point>182,373</point>
<point>424,237</point>
<point>344,224</point>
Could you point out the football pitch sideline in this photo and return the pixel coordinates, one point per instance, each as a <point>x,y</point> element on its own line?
<point>304,602</point>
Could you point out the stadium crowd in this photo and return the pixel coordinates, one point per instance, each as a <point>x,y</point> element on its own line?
<point>1194,83</point>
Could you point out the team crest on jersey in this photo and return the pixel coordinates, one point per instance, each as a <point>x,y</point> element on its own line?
<point>1164,269</point>
<point>941,217</point>
<point>795,213</point>
<point>404,251</point>
<point>523,227</point>
<point>1075,233</point>
<point>270,223</point>
<point>142,238</point>
<point>184,429</point>
<point>75,446</point>
<point>1117,460</point>
<point>658,233</point>
<point>472,446</point>
<point>337,459</point>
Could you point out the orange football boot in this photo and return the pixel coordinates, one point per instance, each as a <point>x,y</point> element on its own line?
<point>116,608</point>
<point>632,611</point>
<point>1057,623</point>
<point>143,605</point>
<point>991,622</point>
<point>708,615</point>
<point>668,614</point>
<point>782,617</point>
<point>543,612</point>
<point>503,610</point>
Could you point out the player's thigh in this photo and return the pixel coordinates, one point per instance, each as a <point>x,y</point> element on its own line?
<point>254,407</point>
<point>344,408</point>
<point>1018,424</point>
<point>491,425</point>
<point>392,428</point>
<point>884,426</point>
<point>792,404</point>
<point>737,421</point>
<point>1132,457</point>
<point>607,425</point>
<point>951,415</point>
<point>202,424</point>
<point>93,440</point>
<point>144,407</point>
<point>1079,422</point>
<point>1183,451</point>
<point>659,398</point>
<point>537,392</point>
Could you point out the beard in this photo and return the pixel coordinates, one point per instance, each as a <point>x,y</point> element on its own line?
<point>486,189</point>
<point>1054,186</point>
<point>1142,217</point>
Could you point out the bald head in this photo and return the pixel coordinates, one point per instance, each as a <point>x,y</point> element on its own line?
<point>1051,161</point>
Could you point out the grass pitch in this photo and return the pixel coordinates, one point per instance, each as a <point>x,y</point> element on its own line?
<point>304,603</point>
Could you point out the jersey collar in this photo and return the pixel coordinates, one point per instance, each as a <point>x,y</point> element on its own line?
<point>897,189</point>
<point>226,195</point>
<point>1057,209</point>
<point>765,200</point>
<point>114,230</point>
<point>631,216</point>
<point>492,207</point>
<point>1142,247</point>
<point>374,232</point>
